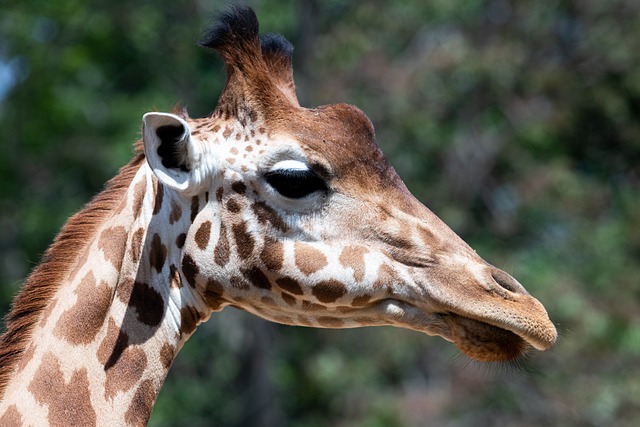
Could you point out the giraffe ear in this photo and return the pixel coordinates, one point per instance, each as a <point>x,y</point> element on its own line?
<point>169,149</point>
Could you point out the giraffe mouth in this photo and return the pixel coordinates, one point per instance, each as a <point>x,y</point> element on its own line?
<point>483,341</point>
<point>486,338</point>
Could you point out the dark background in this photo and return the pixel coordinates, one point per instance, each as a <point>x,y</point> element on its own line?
<point>518,123</point>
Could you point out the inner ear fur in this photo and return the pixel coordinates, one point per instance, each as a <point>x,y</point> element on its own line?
<point>169,149</point>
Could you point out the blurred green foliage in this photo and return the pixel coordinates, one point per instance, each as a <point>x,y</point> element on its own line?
<point>517,122</point>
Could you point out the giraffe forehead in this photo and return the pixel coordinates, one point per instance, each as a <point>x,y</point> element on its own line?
<point>249,145</point>
<point>338,141</point>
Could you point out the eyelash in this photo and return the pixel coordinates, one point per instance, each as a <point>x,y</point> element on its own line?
<point>295,183</point>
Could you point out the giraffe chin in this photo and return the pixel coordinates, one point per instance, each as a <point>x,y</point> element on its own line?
<point>484,342</point>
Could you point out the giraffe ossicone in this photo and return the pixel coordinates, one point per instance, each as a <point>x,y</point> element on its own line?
<point>289,213</point>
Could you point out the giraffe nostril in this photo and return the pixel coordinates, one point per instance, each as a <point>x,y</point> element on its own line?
<point>507,282</point>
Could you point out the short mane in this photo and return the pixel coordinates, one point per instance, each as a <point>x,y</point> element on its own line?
<point>47,277</point>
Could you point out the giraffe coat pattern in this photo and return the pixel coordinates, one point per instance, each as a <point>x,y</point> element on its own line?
<point>289,213</point>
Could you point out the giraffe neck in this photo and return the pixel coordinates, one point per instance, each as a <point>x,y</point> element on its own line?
<point>101,348</point>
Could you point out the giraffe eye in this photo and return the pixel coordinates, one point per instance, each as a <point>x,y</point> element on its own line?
<point>295,183</point>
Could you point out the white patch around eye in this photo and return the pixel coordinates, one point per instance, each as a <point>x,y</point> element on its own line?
<point>290,165</point>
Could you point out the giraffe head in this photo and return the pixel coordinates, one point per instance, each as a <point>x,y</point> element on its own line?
<point>301,220</point>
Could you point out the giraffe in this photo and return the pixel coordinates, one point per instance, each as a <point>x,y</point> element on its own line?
<point>289,213</point>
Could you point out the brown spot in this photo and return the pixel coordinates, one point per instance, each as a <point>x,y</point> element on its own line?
<point>167,354</point>
<point>213,294</point>
<point>202,235</point>
<point>188,321</point>
<point>81,323</point>
<point>233,206</point>
<point>175,281</point>
<point>215,286</point>
<point>195,207</point>
<point>328,291</point>
<point>216,128</point>
<point>148,304</point>
<point>190,270</point>
<point>238,283</point>
<point>385,277</point>
<point>353,257</point>
<point>125,372</point>
<point>239,187</point>
<point>114,342</point>
<point>244,240</point>
<point>272,255</point>
<point>11,417</point>
<point>219,193</point>
<point>112,243</point>
<point>303,321</point>
<point>138,197</point>
<point>136,244</point>
<point>182,237</point>
<point>141,405</point>
<point>227,132</point>
<point>158,253</point>
<point>124,289</point>
<point>266,214</point>
<point>257,278</point>
<point>309,259</point>
<point>176,212</point>
<point>157,205</point>
<point>330,322</point>
<point>69,403</point>
<point>222,251</point>
<point>361,300</point>
<point>248,148</point>
<point>288,299</point>
<point>290,285</point>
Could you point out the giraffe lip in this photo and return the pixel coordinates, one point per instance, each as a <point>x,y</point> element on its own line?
<point>484,338</point>
<point>483,341</point>
<point>493,339</point>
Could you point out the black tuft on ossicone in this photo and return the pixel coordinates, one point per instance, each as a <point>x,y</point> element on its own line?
<point>238,24</point>
<point>276,44</point>
<point>262,64</point>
